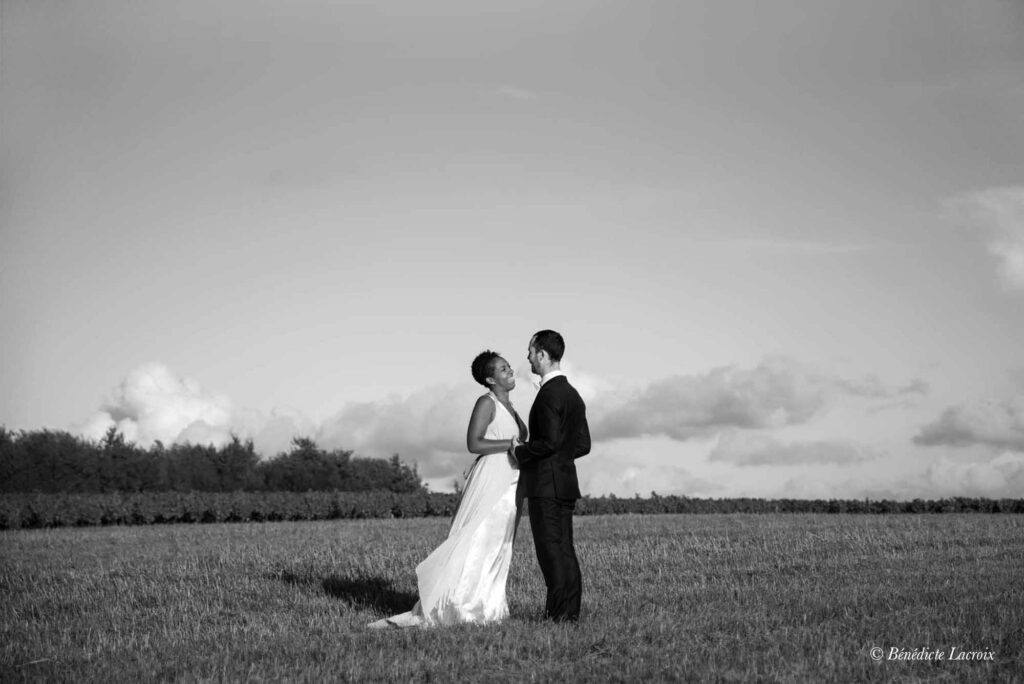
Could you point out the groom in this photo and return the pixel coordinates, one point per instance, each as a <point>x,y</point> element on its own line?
<point>547,476</point>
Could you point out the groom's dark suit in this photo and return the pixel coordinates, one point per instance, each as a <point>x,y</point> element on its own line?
<point>547,477</point>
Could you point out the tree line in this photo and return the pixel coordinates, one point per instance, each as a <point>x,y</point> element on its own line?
<point>54,461</point>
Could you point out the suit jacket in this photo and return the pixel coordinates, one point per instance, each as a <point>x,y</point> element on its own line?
<point>559,434</point>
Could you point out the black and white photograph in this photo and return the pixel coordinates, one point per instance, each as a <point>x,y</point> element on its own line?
<point>576,341</point>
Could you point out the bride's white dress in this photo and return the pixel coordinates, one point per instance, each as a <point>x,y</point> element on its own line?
<point>463,580</point>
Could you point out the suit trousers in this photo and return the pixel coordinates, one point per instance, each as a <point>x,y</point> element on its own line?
<point>551,525</point>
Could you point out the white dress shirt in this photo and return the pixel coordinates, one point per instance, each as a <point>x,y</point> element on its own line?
<point>549,375</point>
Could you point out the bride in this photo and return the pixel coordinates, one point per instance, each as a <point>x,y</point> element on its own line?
<point>463,579</point>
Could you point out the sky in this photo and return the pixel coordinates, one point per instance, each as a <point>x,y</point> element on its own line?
<point>784,242</point>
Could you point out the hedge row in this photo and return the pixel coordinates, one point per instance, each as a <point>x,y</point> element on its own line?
<point>682,504</point>
<point>58,510</point>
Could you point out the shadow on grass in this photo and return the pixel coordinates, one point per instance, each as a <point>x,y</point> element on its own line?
<point>371,593</point>
<point>361,591</point>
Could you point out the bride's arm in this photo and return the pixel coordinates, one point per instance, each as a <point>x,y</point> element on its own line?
<point>483,414</point>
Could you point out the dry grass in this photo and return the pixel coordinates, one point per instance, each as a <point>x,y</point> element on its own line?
<point>673,597</point>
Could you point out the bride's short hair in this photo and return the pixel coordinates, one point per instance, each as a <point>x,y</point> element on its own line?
<point>483,366</point>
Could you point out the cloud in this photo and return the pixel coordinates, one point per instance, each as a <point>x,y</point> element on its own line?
<point>152,403</point>
<point>1000,477</point>
<point>994,424</point>
<point>745,449</point>
<point>427,426</point>
<point>201,432</point>
<point>776,393</point>
<point>872,387</point>
<point>1003,476</point>
<point>1000,213</point>
<point>628,477</point>
<point>272,435</point>
<point>815,486</point>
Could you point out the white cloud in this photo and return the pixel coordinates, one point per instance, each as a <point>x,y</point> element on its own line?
<point>945,478</point>
<point>814,486</point>
<point>627,477</point>
<point>872,387</point>
<point>152,403</point>
<point>1000,213</point>
<point>899,479</point>
<point>427,427</point>
<point>591,387</point>
<point>274,434</point>
<point>1003,476</point>
<point>752,449</point>
<point>991,423</point>
<point>201,432</point>
<point>776,393</point>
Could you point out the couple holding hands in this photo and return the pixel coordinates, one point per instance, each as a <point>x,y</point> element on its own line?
<point>463,579</point>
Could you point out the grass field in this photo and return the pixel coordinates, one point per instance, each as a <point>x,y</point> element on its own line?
<point>669,597</point>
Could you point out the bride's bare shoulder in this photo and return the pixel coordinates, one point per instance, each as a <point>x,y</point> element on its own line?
<point>484,406</point>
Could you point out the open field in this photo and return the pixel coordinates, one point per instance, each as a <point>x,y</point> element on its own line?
<point>666,597</point>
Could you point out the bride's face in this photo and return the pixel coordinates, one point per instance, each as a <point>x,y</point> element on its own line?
<point>503,375</point>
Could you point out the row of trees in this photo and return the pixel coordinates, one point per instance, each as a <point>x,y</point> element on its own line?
<point>51,461</point>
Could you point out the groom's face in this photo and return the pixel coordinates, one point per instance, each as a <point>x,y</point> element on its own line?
<point>533,356</point>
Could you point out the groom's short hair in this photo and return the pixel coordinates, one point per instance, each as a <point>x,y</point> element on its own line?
<point>483,366</point>
<point>551,342</point>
